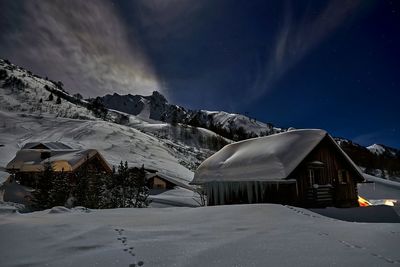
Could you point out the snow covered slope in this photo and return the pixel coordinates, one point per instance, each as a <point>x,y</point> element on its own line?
<point>24,93</point>
<point>115,142</point>
<point>241,235</point>
<point>21,91</point>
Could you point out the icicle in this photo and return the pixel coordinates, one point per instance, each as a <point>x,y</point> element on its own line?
<point>262,191</point>
<point>257,191</point>
<point>210,194</point>
<point>221,190</point>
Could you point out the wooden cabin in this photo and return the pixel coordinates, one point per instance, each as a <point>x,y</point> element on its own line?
<point>30,161</point>
<point>300,167</point>
<point>157,182</point>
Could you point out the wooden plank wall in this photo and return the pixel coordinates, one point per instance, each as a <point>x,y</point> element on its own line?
<point>327,153</point>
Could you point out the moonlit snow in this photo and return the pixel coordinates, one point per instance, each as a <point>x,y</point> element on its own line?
<point>240,235</point>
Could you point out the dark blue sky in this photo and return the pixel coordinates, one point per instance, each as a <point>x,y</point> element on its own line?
<point>319,64</point>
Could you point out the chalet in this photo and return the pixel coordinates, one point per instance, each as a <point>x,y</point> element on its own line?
<point>30,160</point>
<point>159,182</point>
<point>299,167</point>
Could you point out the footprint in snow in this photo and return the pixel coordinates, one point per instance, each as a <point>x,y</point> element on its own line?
<point>140,263</point>
<point>124,242</point>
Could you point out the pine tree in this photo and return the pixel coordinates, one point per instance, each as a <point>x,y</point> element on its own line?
<point>59,85</point>
<point>80,189</point>
<point>112,193</point>
<point>58,101</point>
<point>94,190</point>
<point>51,97</point>
<point>3,74</point>
<point>174,119</point>
<point>61,189</point>
<point>43,187</point>
<point>98,108</point>
<point>142,192</point>
<point>105,198</point>
<point>78,96</point>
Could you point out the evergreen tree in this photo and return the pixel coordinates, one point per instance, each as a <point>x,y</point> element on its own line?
<point>78,96</point>
<point>3,74</point>
<point>98,108</point>
<point>174,119</point>
<point>44,185</point>
<point>61,189</point>
<point>58,101</point>
<point>94,190</point>
<point>81,185</point>
<point>14,83</point>
<point>106,199</point>
<point>142,192</point>
<point>59,85</point>
<point>113,193</point>
<point>128,188</point>
<point>51,97</point>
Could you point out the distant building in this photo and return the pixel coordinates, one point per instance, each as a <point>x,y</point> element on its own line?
<point>30,160</point>
<point>158,182</point>
<point>298,167</point>
<point>4,179</point>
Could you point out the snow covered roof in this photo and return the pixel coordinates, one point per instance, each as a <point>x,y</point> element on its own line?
<point>3,177</point>
<point>169,179</point>
<point>47,145</point>
<point>32,160</point>
<point>269,158</point>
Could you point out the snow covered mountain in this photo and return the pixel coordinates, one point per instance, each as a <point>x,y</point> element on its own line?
<point>156,107</point>
<point>150,130</point>
<point>36,109</point>
<point>378,160</point>
<point>379,149</point>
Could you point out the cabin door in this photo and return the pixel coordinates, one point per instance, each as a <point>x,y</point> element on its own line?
<point>318,193</point>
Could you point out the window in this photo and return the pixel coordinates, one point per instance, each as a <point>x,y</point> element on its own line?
<point>159,186</point>
<point>343,176</point>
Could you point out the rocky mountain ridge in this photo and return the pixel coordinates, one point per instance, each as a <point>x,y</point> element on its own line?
<point>189,135</point>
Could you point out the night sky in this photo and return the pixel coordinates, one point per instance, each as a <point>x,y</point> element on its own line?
<point>308,64</point>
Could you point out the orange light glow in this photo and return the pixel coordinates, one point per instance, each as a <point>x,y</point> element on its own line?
<point>363,202</point>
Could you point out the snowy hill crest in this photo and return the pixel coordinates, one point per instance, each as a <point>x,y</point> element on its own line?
<point>188,136</point>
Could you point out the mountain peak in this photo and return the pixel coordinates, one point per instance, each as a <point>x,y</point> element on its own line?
<point>158,97</point>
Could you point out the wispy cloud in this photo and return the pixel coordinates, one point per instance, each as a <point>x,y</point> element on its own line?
<point>83,43</point>
<point>296,38</point>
